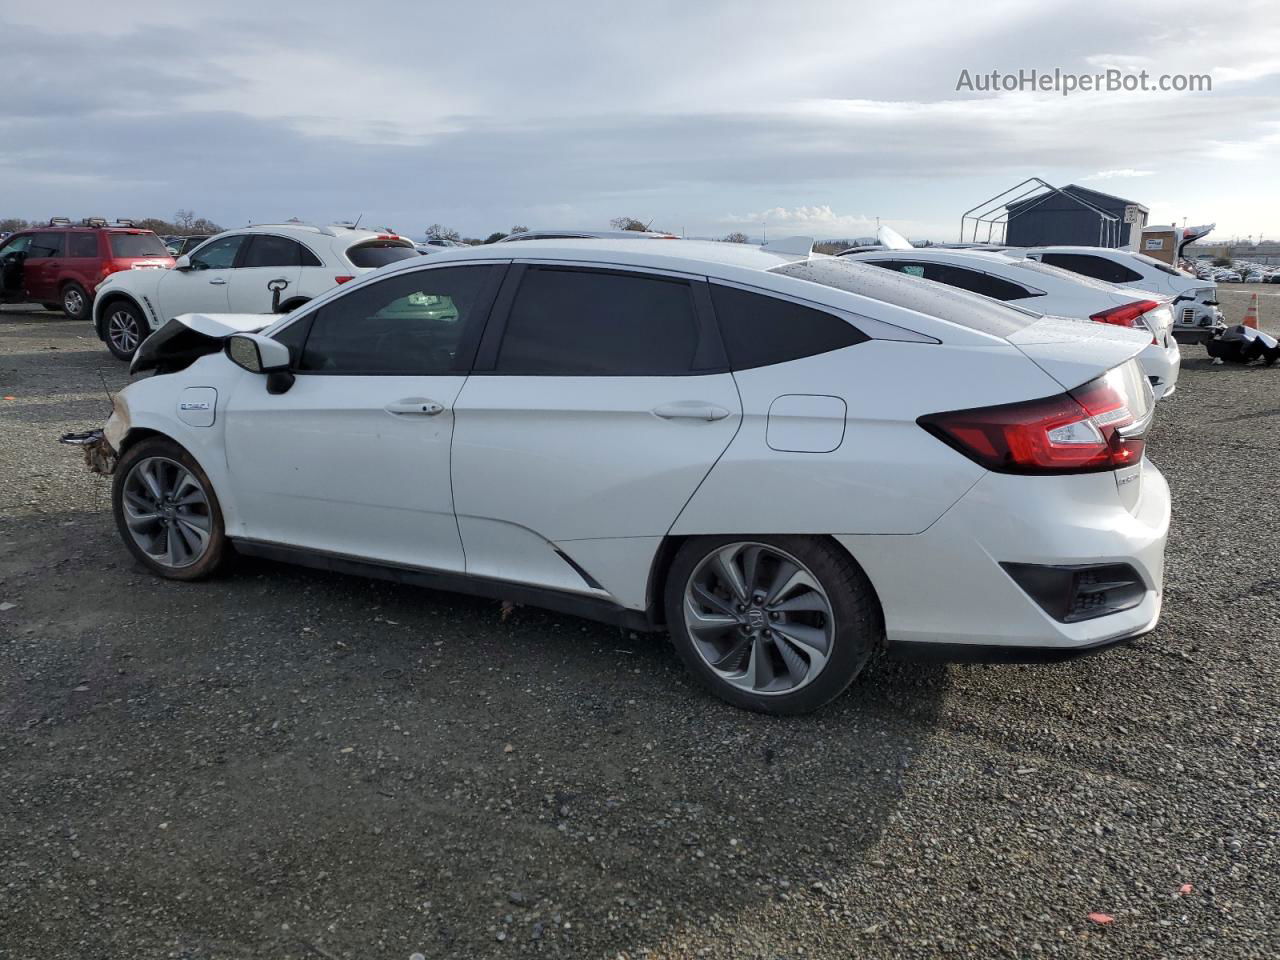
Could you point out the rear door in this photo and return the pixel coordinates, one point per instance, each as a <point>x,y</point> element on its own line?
<point>266,259</point>
<point>600,399</point>
<point>44,260</point>
<point>203,287</point>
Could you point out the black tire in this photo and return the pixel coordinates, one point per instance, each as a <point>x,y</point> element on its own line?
<point>291,305</point>
<point>123,328</point>
<point>162,451</point>
<point>76,302</point>
<point>858,622</point>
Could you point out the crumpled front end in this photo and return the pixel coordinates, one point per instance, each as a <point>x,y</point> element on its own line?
<point>101,448</point>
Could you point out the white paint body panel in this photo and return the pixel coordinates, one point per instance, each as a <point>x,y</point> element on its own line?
<point>528,466</point>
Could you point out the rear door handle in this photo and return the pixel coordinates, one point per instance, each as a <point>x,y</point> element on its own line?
<point>415,407</point>
<point>690,410</point>
<point>218,281</point>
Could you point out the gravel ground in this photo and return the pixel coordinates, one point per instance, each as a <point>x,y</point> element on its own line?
<point>291,764</point>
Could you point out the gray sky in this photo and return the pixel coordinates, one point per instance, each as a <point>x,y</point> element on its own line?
<point>707,117</point>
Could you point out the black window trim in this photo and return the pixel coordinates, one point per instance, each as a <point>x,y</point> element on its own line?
<point>243,253</point>
<point>710,351</point>
<point>463,361</point>
<point>1032,292</point>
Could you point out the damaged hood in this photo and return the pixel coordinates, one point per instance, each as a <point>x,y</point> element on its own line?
<point>221,325</point>
<point>1074,352</point>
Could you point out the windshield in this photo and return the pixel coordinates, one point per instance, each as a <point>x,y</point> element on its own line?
<point>923,296</point>
<point>378,253</point>
<point>126,245</point>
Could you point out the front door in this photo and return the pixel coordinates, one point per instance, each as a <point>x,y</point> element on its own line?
<point>202,287</point>
<point>354,458</point>
<point>605,402</point>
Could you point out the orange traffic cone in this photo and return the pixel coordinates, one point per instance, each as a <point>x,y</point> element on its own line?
<point>1251,315</point>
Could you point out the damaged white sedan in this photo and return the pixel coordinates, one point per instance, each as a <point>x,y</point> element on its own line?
<point>787,461</point>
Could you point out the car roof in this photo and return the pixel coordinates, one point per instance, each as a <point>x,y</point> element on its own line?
<point>573,233</point>
<point>932,253</point>
<point>684,256</point>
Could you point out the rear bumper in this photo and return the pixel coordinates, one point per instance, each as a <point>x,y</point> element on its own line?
<point>1161,364</point>
<point>946,586</point>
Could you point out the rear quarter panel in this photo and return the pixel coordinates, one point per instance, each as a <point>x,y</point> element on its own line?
<point>887,475</point>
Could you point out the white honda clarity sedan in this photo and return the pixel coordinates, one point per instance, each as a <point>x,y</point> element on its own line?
<point>787,461</point>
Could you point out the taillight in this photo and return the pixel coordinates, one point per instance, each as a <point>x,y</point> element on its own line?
<point>341,280</point>
<point>1128,315</point>
<point>1089,429</point>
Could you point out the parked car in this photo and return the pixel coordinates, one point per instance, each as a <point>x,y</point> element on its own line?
<point>785,460</point>
<point>588,235</point>
<point>61,266</point>
<point>1047,290</point>
<point>178,246</point>
<point>236,271</point>
<point>436,244</point>
<point>1196,316</point>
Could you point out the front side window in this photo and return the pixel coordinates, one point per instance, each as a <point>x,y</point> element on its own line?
<point>1100,268</point>
<point>82,245</point>
<point>219,254</point>
<point>46,245</point>
<point>266,250</point>
<point>570,322</point>
<point>409,324</point>
<point>759,330</point>
<point>18,244</point>
<point>130,245</point>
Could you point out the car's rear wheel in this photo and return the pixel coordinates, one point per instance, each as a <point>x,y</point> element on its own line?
<point>75,301</point>
<point>775,624</point>
<point>124,329</point>
<point>167,512</point>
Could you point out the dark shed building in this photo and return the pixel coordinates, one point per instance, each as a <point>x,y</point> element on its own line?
<point>1071,216</point>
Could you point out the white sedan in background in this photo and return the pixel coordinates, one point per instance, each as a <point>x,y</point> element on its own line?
<point>784,460</point>
<point>1050,291</point>
<point>251,270</point>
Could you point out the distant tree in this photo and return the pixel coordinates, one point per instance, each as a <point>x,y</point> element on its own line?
<point>628,223</point>
<point>184,219</point>
<point>495,236</point>
<point>519,228</point>
<point>830,247</point>
<point>736,237</point>
<point>439,232</point>
<point>10,224</point>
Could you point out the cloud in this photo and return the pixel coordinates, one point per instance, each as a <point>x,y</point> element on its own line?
<point>818,221</point>
<point>1117,174</point>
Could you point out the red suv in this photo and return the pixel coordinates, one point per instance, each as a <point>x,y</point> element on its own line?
<point>60,266</point>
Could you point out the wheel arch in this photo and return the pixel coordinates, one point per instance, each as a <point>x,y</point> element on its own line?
<point>670,546</point>
<point>293,303</point>
<point>101,304</point>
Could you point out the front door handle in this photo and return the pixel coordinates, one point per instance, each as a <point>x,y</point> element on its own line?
<point>218,281</point>
<point>690,410</point>
<point>415,407</point>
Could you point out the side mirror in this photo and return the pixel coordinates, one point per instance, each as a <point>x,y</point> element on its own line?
<point>182,263</point>
<point>256,353</point>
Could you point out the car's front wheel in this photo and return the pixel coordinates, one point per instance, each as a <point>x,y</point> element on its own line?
<point>775,624</point>
<point>124,329</point>
<point>75,301</point>
<point>167,512</point>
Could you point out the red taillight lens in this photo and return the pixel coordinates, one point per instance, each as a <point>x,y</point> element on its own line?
<point>1089,429</point>
<point>1128,315</point>
<point>341,280</point>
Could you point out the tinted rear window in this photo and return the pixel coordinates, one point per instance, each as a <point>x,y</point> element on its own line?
<point>1100,268</point>
<point>377,253</point>
<point>125,245</point>
<point>899,290</point>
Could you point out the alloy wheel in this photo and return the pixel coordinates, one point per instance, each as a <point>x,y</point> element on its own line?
<point>122,328</point>
<point>759,618</point>
<point>166,510</point>
<point>73,302</point>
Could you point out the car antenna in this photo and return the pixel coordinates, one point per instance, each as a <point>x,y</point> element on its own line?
<point>357,221</point>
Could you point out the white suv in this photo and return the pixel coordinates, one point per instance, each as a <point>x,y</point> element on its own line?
<point>240,271</point>
<point>784,460</point>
